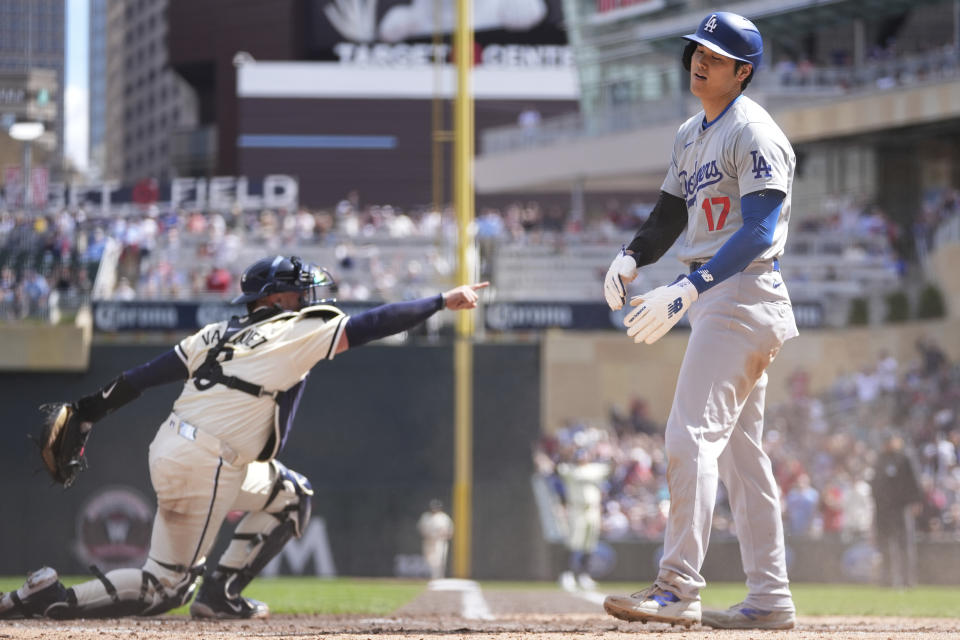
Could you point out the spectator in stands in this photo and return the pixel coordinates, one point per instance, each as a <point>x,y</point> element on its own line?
<point>219,280</point>
<point>124,291</point>
<point>887,367</point>
<point>529,121</point>
<point>616,525</point>
<point>36,289</point>
<point>8,294</point>
<point>932,356</point>
<point>858,508</point>
<point>640,419</point>
<point>801,502</point>
<point>831,507</point>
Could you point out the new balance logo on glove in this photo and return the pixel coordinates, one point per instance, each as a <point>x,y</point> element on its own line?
<point>674,307</point>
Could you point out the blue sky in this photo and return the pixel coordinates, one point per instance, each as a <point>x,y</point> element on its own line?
<point>76,106</point>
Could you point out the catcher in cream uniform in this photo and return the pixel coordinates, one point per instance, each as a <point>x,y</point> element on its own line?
<point>216,452</point>
<point>729,185</point>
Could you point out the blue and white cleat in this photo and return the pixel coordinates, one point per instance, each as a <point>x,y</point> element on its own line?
<point>743,616</point>
<point>654,604</point>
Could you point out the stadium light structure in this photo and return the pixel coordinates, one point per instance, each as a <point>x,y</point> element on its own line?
<point>26,132</point>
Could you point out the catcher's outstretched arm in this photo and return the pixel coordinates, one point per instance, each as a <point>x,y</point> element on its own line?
<point>65,427</point>
<point>130,384</point>
<point>389,319</point>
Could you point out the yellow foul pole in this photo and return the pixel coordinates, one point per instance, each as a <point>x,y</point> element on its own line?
<point>463,345</point>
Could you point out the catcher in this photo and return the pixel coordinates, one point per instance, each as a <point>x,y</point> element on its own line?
<point>216,452</point>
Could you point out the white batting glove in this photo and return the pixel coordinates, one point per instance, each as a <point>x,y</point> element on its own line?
<point>622,271</point>
<point>658,310</point>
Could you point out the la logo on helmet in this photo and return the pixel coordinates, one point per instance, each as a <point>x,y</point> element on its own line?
<point>711,24</point>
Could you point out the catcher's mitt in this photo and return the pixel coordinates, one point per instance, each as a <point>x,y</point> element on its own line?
<point>61,442</point>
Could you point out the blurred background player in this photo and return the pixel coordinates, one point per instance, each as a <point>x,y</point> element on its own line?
<point>436,529</point>
<point>898,498</point>
<point>729,185</point>
<point>583,480</point>
<point>216,452</point>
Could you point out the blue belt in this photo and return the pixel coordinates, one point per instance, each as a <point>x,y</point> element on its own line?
<point>696,265</point>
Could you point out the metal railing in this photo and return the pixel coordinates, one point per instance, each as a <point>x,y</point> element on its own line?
<point>774,87</point>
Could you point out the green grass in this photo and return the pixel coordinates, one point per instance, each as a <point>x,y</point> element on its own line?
<point>377,597</point>
<point>335,595</point>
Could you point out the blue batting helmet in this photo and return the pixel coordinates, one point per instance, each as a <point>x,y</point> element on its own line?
<point>279,274</point>
<point>729,35</point>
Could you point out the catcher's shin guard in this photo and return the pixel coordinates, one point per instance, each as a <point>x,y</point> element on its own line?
<point>261,535</point>
<point>125,592</point>
<point>41,591</point>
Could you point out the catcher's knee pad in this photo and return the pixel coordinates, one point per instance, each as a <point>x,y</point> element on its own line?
<point>291,498</point>
<point>261,535</point>
<point>129,592</point>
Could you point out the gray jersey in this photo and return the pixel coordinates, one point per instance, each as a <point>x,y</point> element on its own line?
<point>741,152</point>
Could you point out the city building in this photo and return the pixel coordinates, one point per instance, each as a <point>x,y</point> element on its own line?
<point>97,86</point>
<point>146,102</point>
<point>348,102</point>
<point>32,40</point>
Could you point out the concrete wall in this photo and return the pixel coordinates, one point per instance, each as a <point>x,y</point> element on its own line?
<point>946,266</point>
<point>44,347</point>
<point>584,374</point>
<point>374,434</point>
<point>636,159</point>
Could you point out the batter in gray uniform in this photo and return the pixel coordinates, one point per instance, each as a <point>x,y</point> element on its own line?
<point>729,187</point>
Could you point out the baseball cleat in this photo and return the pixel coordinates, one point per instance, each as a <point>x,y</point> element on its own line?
<point>568,582</point>
<point>743,616</point>
<point>42,589</point>
<point>654,604</point>
<point>212,603</point>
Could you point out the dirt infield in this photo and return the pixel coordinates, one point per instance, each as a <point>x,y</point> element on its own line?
<point>438,616</point>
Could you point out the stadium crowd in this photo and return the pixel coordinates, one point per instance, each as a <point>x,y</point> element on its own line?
<point>822,447</point>
<point>178,254</point>
<point>884,67</point>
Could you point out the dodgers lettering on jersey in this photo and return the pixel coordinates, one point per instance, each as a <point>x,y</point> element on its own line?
<point>704,176</point>
<point>276,353</point>
<point>742,151</point>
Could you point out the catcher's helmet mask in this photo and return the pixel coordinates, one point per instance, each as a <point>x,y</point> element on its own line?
<point>280,274</point>
<point>728,34</point>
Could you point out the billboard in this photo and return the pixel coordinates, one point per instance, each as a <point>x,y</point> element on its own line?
<point>378,30</point>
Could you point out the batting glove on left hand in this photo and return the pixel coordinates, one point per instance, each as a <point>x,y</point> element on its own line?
<point>622,271</point>
<point>658,310</point>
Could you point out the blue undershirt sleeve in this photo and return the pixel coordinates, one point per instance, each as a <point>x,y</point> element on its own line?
<point>389,319</point>
<point>760,211</point>
<point>165,368</point>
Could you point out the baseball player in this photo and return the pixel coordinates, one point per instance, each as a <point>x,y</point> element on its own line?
<point>216,452</point>
<point>583,480</point>
<point>436,529</point>
<point>729,185</point>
